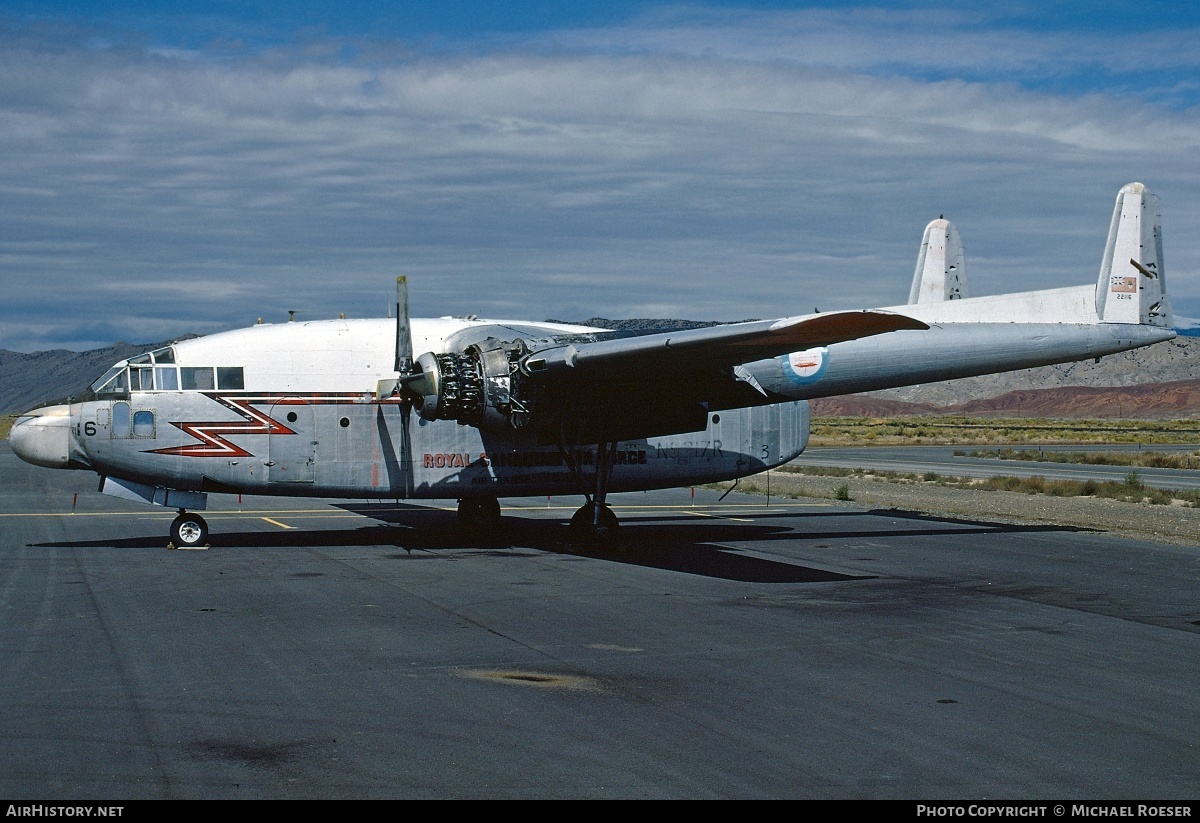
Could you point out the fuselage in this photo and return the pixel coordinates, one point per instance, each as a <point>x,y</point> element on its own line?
<point>300,408</point>
<point>296,409</point>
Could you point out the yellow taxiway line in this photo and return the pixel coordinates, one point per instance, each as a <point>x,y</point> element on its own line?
<point>277,523</point>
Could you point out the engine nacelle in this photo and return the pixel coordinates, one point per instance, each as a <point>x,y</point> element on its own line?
<point>476,387</point>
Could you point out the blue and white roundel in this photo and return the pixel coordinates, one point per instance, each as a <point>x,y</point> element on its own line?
<point>805,366</point>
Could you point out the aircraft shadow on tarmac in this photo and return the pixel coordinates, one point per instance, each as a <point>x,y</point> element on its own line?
<point>680,543</point>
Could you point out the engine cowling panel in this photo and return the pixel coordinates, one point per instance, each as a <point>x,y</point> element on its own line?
<point>476,387</point>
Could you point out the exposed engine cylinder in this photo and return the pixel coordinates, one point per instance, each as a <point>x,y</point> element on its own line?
<point>475,387</point>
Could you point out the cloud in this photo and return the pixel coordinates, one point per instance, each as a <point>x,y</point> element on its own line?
<point>152,192</point>
<point>1023,44</point>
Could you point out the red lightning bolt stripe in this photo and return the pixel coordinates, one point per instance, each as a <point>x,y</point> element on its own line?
<point>212,434</point>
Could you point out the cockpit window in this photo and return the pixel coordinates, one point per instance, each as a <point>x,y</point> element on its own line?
<point>141,358</point>
<point>141,378</point>
<point>120,380</point>
<point>167,378</point>
<point>114,381</point>
<point>166,355</point>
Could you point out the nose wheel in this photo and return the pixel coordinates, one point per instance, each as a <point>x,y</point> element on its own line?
<point>188,531</point>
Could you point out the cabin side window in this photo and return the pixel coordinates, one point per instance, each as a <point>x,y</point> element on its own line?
<point>201,378</point>
<point>194,378</point>
<point>230,377</point>
<point>143,423</point>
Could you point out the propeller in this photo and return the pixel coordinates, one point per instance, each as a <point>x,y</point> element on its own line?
<point>416,379</point>
<point>405,368</point>
<point>404,347</point>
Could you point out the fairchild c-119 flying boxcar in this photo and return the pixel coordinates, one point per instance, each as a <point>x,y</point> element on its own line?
<point>475,410</point>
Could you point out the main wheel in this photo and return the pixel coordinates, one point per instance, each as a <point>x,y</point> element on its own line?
<point>583,521</point>
<point>189,530</point>
<point>478,512</point>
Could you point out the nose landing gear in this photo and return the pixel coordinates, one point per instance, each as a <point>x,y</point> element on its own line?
<point>188,531</point>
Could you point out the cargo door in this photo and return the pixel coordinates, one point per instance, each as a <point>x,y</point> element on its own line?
<point>292,445</point>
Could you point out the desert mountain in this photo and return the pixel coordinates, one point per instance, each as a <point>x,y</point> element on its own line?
<point>29,380</point>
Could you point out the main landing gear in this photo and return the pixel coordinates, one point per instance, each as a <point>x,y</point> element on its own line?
<point>188,531</point>
<point>478,513</point>
<point>594,521</point>
<point>587,521</point>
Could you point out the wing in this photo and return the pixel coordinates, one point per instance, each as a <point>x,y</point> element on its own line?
<point>712,349</point>
<point>582,389</point>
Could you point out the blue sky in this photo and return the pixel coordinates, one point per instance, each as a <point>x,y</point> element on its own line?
<point>166,171</point>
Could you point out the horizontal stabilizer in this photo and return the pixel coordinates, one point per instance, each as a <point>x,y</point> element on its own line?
<point>941,269</point>
<point>1132,286</point>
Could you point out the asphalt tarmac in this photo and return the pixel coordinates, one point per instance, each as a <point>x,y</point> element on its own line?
<point>726,650</point>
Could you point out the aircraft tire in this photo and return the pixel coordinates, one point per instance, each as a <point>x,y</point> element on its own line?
<point>582,522</point>
<point>479,512</point>
<point>189,530</point>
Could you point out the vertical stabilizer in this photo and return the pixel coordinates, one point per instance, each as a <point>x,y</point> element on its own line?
<point>1132,286</point>
<point>941,270</point>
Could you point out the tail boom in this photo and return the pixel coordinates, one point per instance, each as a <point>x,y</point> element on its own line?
<point>950,351</point>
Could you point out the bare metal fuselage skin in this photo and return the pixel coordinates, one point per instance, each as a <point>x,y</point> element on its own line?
<point>342,440</point>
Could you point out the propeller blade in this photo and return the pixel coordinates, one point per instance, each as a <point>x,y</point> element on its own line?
<point>404,347</point>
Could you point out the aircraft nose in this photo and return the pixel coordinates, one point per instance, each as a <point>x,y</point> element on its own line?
<point>43,437</point>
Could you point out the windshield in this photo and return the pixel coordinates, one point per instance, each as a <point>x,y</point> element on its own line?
<point>114,381</point>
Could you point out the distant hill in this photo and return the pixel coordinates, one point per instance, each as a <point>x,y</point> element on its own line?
<point>1187,326</point>
<point>30,380</point>
<point>1170,362</point>
<point>646,325</point>
<point>1152,401</point>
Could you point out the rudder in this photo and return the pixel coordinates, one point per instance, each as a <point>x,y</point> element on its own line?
<point>941,272</point>
<point>1132,286</point>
